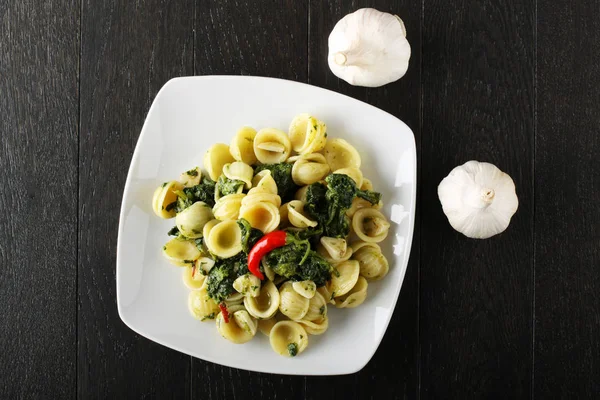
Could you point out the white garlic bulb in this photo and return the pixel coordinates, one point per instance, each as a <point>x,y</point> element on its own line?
<point>369,48</point>
<point>478,199</point>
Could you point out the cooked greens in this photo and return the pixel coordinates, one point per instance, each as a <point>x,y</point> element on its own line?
<point>221,276</point>
<point>250,235</point>
<point>227,186</point>
<point>282,175</point>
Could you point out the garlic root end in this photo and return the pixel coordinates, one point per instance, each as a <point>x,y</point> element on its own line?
<point>487,195</point>
<point>340,58</point>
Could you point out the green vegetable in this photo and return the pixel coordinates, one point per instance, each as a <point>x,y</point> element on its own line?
<point>250,235</point>
<point>221,276</point>
<point>328,205</point>
<point>205,191</point>
<point>228,186</point>
<point>192,172</point>
<point>292,349</point>
<point>296,261</point>
<point>174,231</point>
<point>209,316</point>
<point>282,175</point>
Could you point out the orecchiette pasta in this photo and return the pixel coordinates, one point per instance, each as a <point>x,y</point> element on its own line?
<point>373,264</point>
<point>293,212</point>
<point>264,182</point>
<point>269,251</point>
<point>266,304</point>
<point>215,158</point>
<point>272,146</point>
<point>370,225</point>
<point>340,154</point>
<point>201,306</point>
<point>261,215</point>
<point>334,250</point>
<point>228,207</point>
<point>309,168</point>
<point>191,221</point>
<point>288,338</point>
<point>181,252</point>
<point>192,278</point>
<point>164,199</point>
<point>241,327</point>
<point>239,171</point>
<point>242,145</point>
<point>305,288</point>
<point>224,239</point>
<point>344,281</point>
<point>191,177</point>
<point>292,304</point>
<point>355,297</point>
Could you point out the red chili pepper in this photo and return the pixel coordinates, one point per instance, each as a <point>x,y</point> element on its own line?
<point>224,311</point>
<point>193,270</point>
<point>264,245</point>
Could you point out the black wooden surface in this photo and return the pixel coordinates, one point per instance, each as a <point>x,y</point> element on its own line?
<point>512,82</point>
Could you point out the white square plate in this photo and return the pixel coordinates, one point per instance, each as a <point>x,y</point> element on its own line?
<point>189,115</point>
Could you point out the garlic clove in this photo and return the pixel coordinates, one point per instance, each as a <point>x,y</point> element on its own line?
<point>369,48</point>
<point>478,199</point>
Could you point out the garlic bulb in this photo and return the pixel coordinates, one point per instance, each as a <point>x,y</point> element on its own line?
<point>478,199</point>
<point>369,48</point>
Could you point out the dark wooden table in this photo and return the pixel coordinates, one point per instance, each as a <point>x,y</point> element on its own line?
<point>512,82</point>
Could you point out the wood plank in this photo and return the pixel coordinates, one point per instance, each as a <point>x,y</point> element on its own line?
<point>129,50</point>
<point>39,53</point>
<point>266,38</point>
<point>478,103</point>
<point>567,192</point>
<point>393,371</point>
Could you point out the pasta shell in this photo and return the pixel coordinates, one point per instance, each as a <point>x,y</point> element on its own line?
<point>181,252</point>
<point>305,288</point>
<point>334,249</point>
<point>192,278</point>
<point>370,225</point>
<point>201,306</point>
<point>266,304</point>
<point>288,338</point>
<point>316,327</point>
<point>241,328</point>
<point>317,308</point>
<point>228,207</point>
<point>357,204</point>
<point>291,303</point>
<point>215,158</point>
<point>208,227</point>
<point>301,194</point>
<point>239,171</point>
<point>191,221</point>
<point>204,265</point>
<point>272,146</point>
<point>242,145</point>
<point>261,215</point>
<point>163,197</point>
<point>264,182</point>
<point>294,213</point>
<point>247,284</point>
<point>225,239</point>
<point>310,168</point>
<point>373,264</point>
<point>191,177</point>
<point>347,278</point>
<point>305,133</point>
<point>326,293</point>
<point>265,325</point>
<point>341,154</point>
<point>366,185</point>
<point>254,197</point>
<point>354,297</point>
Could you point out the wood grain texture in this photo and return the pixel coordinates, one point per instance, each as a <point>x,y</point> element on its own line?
<point>130,49</point>
<point>393,370</point>
<point>478,104</point>
<point>39,53</point>
<point>567,193</point>
<point>266,38</point>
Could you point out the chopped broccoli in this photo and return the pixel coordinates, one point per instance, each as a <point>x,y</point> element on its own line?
<point>292,349</point>
<point>228,186</point>
<point>221,276</point>
<point>205,191</point>
<point>282,174</point>
<point>250,235</point>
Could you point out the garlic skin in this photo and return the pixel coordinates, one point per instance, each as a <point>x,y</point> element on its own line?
<point>478,199</point>
<point>369,48</point>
